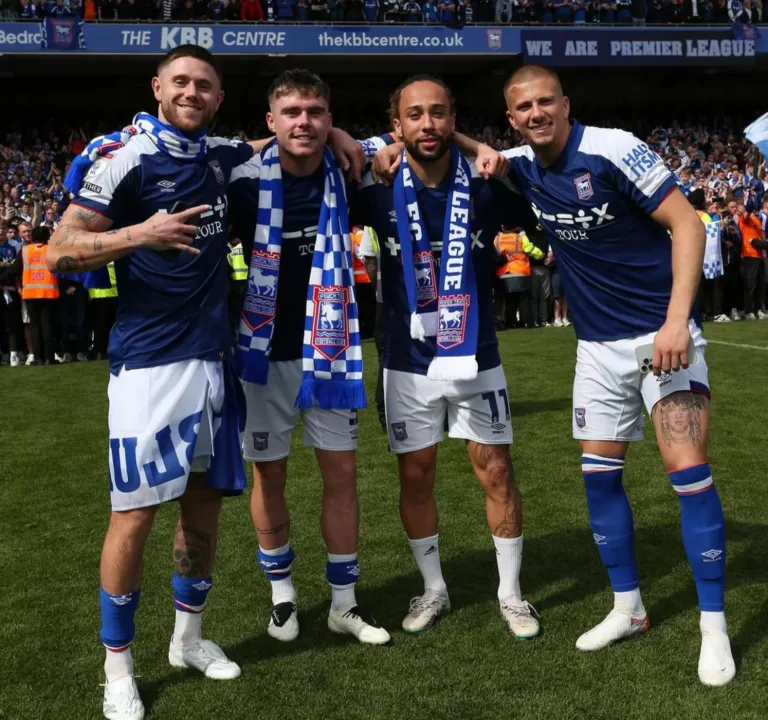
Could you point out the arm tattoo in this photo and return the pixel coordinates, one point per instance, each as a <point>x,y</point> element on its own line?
<point>112,232</point>
<point>68,264</point>
<point>680,418</point>
<point>192,552</point>
<point>85,216</point>
<point>97,244</point>
<point>272,530</point>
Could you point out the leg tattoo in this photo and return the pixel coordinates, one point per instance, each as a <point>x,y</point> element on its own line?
<point>192,553</point>
<point>681,418</point>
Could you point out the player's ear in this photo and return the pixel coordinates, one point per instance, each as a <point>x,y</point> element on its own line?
<point>156,88</point>
<point>567,106</point>
<point>270,122</point>
<point>453,123</point>
<point>330,119</point>
<point>397,128</point>
<point>219,99</point>
<point>511,120</point>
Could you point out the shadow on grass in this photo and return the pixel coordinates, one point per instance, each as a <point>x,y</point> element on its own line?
<point>566,558</point>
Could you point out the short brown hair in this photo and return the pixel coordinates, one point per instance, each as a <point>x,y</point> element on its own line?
<point>192,51</point>
<point>531,72</point>
<point>301,81</point>
<point>394,98</point>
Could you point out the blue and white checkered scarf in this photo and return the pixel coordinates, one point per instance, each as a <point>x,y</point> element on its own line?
<point>167,138</point>
<point>713,258</point>
<point>332,355</point>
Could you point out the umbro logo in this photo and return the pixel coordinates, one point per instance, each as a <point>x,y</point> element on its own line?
<point>268,563</point>
<point>712,555</point>
<point>120,599</point>
<point>203,585</point>
<point>599,539</point>
<point>166,186</point>
<point>393,216</point>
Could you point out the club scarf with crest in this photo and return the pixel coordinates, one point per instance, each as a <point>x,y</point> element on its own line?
<point>332,361</point>
<point>446,310</point>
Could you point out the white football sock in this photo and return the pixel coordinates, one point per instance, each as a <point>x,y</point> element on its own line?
<point>509,558</point>
<point>283,589</point>
<point>118,664</point>
<point>629,601</point>
<point>713,621</point>
<point>188,628</point>
<point>426,551</point>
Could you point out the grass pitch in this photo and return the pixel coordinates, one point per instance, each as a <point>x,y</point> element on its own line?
<point>54,508</point>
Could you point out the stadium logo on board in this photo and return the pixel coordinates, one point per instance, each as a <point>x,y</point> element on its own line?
<point>261,294</point>
<point>583,185</point>
<point>330,333</point>
<point>452,320</point>
<point>494,39</point>
<point>580,414</point>
<point>217,171</point>
<point>424,267</point>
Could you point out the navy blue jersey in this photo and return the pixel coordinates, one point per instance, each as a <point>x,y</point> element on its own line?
<point>493,203</point>
<point>302,197</point>
<point>169,307</point>
<point>595,204</point>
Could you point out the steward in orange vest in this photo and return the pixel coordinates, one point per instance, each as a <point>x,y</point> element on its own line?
<point>516,248</point>
<point>358,265</point>
<point>37,282</point>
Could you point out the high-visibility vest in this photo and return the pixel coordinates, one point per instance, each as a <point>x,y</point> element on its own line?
<point>361,274</point>
<point>238,268</point>
<point>516,244</point>
<point>750,229</point>
<point>37,282</point>
<point>111,291</point>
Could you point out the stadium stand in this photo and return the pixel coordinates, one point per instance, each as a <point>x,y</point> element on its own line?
<point>711,156</point>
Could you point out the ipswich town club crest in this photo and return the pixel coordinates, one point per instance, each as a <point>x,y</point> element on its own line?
<point>261,294</point>
<point>218,173</point>
<point>580,414</point>
<point>452,320</point>
<point>426,282</point>
<point>330,332</point>
<point>494,39</point>
<point>583,185</point>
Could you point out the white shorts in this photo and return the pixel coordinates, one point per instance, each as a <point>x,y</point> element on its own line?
<point>25,314</point>
<point>609,389</point>
<point>161,428</point>
<point>416,408</point>
<point>272,416</point>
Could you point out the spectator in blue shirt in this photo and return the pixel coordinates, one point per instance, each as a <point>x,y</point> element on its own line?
<point>371,10</point>
<point>60,10</point>
<point>429,11</point>
<point>579,8</point>
<point>563,12</point>
<point>286,10</point>
<point>547,12</point>
<point>215,11</point>
<point>412,11</point>
<point>447,11</point>
<point>29,11</point>
<point>624,13</point>
<point>469,11</point>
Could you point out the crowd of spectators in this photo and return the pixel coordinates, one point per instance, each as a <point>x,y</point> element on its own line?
<point>450,12</point>
<point>706,156</point>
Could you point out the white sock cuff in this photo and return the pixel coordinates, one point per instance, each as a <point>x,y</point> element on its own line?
<point>342,558</point>
<point>277,551</point>
<point>421,542</point>
<point>507,541</point>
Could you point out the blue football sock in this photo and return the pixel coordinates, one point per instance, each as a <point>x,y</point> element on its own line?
<point>117,619</point>
<point>189,594</point>
<point>342,572</point>
<point>610,517</point>
<point>703,528</point>
<point>277,565</point>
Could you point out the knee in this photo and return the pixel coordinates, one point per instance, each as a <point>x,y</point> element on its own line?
<point>497,479</point>
<point>416,481</point>
<point>132,523</point>
<point>269,477</point>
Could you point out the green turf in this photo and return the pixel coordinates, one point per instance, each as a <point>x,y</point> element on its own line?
<point>54,507</point>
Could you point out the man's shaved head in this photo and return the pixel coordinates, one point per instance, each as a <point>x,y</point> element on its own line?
<point>527,73</point>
